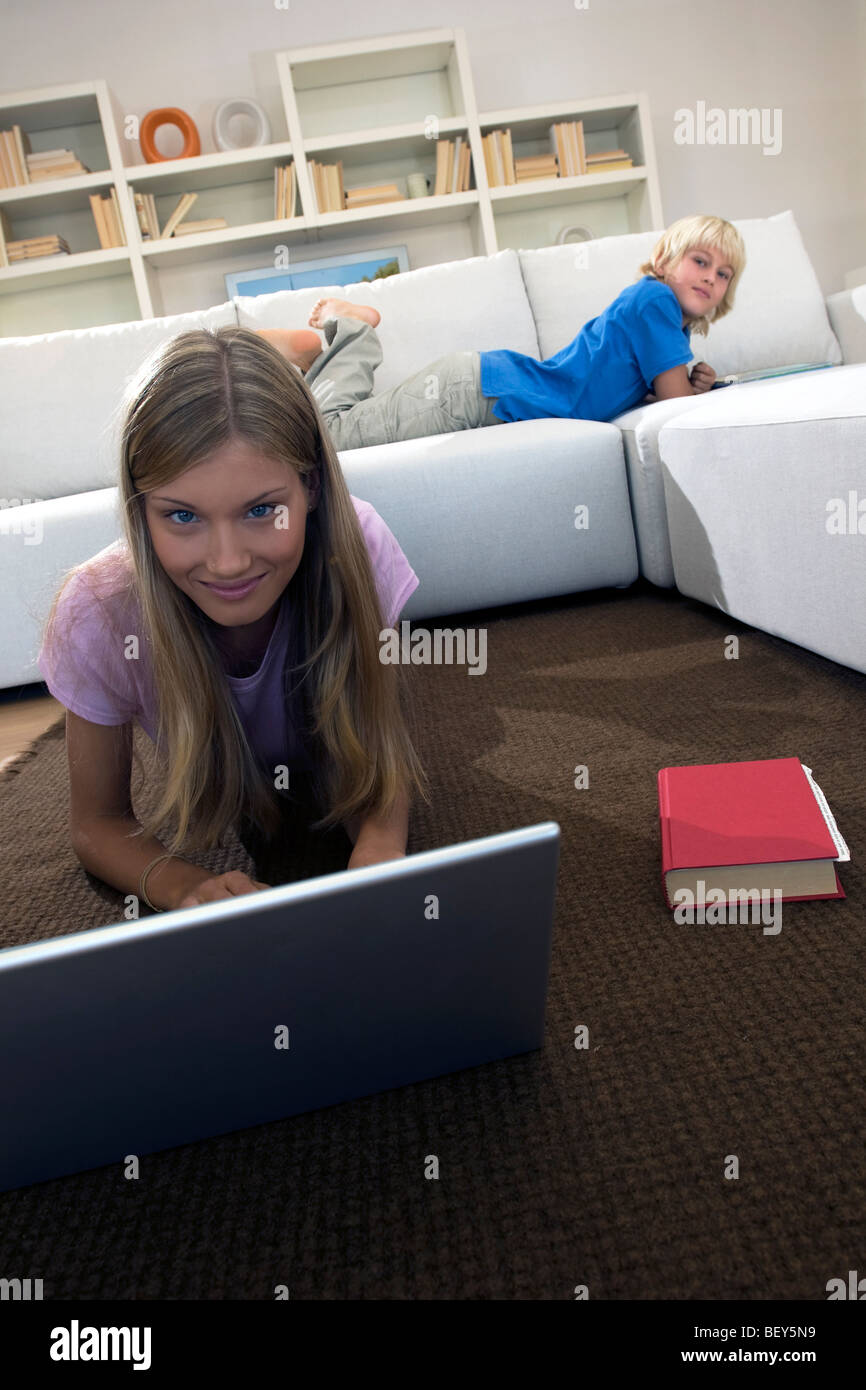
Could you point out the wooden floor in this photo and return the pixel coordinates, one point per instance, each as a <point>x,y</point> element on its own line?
<point>25,711</point>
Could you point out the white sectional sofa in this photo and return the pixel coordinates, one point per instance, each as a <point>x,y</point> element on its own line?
<point>485,516</point>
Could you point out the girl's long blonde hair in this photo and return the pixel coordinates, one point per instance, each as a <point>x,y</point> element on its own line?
<point>197,393</point>
<point>700,230</point>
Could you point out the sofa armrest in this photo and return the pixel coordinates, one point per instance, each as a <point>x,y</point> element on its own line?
<point>847,311</point>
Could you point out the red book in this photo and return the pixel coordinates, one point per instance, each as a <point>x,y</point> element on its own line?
<point>745,826</point>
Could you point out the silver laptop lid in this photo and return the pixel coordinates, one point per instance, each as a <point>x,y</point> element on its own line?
<point>148,1034</point>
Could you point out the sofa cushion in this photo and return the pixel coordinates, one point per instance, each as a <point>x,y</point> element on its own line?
<point>640,441</point>
<point>554,499</point>
<point>473,304</point>
<point>847,313</point>
<point>764,488</point>
<point>60,399</point>
<point>779,316</point>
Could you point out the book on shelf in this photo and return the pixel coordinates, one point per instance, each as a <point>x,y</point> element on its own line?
<point>148,222</point>
<point>317,184</point>
<point>453,166</point>
<point>285,189</point>
<point>98,209</point>
<point>117,217</point>
<point>441,165</point>
<point>605,156</point>
<point>536,167</point>
<point>567,143</point>
<point>578,145</point>
<point>35,245</point>
<point>336,192</point>
<point>5,235</point>
<point>608,161</point>
<point>14,149</point>
<point>736,828</point>
<point>498,158</point>
<point>178,213</point>
<point>106,216</point>
<point>31,248</point>
<point>611,168</point>
<point>328,186</point>
<point>54,164</point>
<point>508,157</point>
<point>560,149</point>
<point>207,224</point>
<point>369,194</point>
<point>488,161</point>
<point>457,164</point>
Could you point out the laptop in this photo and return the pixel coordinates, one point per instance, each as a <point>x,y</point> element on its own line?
<point>150,1034</point>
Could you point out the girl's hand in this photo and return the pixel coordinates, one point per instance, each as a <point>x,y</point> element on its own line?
<point>229,885</point>
<point>363,857</point>
<point>702,377</point>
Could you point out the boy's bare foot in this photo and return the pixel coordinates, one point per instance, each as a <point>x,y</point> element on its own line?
<point>341,308</point>
<point>297,344</point>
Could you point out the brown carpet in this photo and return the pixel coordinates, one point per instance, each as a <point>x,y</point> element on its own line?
<point>602,1167</point>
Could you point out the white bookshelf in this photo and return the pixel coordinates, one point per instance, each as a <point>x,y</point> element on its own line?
<point>377,106</point>
<point>611,204</point>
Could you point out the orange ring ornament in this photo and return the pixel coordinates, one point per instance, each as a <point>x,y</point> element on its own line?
<point>168,115</point>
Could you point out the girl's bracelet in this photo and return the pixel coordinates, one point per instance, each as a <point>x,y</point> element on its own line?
<point>142,890</point>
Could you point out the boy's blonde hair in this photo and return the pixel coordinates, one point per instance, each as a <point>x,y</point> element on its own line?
<point>700,230</point>
<point>195,394</point>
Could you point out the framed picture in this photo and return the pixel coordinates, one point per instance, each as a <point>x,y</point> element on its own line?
<point>329,270</point>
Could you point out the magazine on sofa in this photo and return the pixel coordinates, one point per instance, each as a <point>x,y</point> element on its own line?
<point>764,373</point>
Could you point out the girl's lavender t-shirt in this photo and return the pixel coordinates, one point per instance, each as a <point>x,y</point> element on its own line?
<point>89,673</point>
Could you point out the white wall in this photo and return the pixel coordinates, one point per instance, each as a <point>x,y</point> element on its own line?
<point>804,58</point>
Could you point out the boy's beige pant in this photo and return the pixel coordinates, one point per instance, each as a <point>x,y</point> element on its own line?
<point>443,396</point>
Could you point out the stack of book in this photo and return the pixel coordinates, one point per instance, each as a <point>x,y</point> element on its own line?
<point>567,143</point>
<point>285,190</point>
<point>328,186</point>
<point>499,158</point>
<point>32,247</point>
<point>535,166</point>
<point>607,161</point>
<point>19,166</point>
<point>373,193</point>
<point>453,165</point>
<point>109,224</point>
<point>54,164</point>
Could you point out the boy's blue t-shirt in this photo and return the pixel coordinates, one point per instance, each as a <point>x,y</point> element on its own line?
<point>607,369</point>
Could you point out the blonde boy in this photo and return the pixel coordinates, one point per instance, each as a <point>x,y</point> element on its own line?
<point>636,350</point>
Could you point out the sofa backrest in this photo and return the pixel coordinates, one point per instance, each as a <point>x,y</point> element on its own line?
<point>61,393</point>
<point>779,315</point>
<point>478,304</point>
<point>60,399</point>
